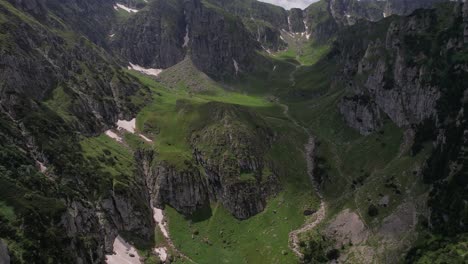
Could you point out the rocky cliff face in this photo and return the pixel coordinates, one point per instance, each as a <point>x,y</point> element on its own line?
<point>228,166</point>
<point>392,70</point>
<point>296,20</point>
<point>57,84</point>
<point>413,70</point>
<point>347,12</point>
<point>93,84</point>
<point>220,45</point>
<point>165,32</point>
<point>155,36</point>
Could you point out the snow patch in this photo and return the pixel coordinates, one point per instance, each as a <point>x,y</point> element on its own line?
<point>113,135</point>
<point>128,9</point>
<point>158,216</point>
<point>148,71</point>
<point>236,66</point>
<point>124,253</point>
<point>145,138</point>
<point>274,68</point>
<point>162,253</point>
<point>129,126</point>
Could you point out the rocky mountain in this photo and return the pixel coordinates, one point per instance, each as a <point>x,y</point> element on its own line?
<point>271,135</point>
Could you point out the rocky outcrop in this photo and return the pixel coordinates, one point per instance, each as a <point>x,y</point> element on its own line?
<point>4,256</point>
<point>228,166</point>
<point>320,24</point>
<point>361,114</point>
<point>184,189</point>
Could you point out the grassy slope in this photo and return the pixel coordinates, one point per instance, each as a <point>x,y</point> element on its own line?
<point>169,120</point>
<point>358,170</point>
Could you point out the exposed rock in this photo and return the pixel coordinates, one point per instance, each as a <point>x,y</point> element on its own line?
<point>153,37</point>
<point>241,179</point>
<point>347,227</point>
<point>361,114</point>
<point>296,21</point>
<point>4,255</point>
<point>217,39</point>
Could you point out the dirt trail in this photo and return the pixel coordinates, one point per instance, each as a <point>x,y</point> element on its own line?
<point>321,213</point>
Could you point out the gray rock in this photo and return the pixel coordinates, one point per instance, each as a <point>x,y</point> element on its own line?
<point>4,255</point>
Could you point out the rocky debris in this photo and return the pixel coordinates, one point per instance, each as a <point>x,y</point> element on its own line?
<point>347,227</point>
<point>4,255</point>
<point>123,253</point>
<point>400,223</point>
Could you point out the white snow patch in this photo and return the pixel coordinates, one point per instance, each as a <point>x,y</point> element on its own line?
<point>113,135</point>
<point>128,9</point>
<point>162,252</point>
<point>124,253</point>
<point>236,66</point>
<point>274,68</point>
<point>129,126</point>
<point>186,37</point>
<point>148,71</point>
<point>145,138</point>
<point>158,216</point>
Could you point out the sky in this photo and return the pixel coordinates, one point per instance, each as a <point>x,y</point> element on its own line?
<point>288,4</point>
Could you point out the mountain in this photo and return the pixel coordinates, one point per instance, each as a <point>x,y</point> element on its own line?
<point>206,131</point>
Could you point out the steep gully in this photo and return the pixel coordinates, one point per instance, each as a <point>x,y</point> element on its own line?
<point>321,213</point>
